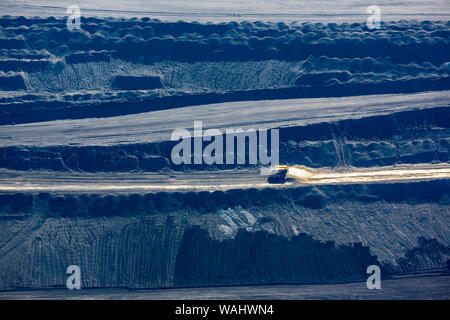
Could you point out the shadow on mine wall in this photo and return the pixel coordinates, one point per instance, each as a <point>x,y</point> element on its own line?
<point>263,258</point>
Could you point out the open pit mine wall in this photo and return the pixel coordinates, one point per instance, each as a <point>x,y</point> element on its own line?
<point>182,63</point>
<point>417,136</point>
<point>284,235</point>
<point>37,111</point>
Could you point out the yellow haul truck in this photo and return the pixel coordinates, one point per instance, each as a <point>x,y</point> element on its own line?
<point>278,174</point>
<point>300,173</point>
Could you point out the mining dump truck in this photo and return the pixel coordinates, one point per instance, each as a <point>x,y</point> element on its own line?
<point>278,174</point>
